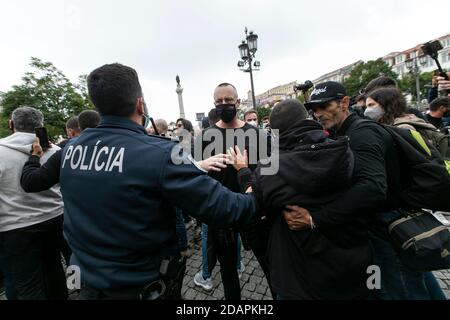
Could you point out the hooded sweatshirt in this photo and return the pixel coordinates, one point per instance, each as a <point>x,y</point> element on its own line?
<point>313,170</point>
<point>412,122</point>
<point>17,208</point>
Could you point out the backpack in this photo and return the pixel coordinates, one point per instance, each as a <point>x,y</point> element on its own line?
<point>425,176</point>
<point>436,138</point>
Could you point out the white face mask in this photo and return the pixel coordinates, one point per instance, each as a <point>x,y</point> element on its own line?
<point>253,123</point>
<point>374,113</point>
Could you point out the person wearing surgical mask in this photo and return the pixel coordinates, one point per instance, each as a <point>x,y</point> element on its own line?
<point>388,106</point>
<point>384,105</point>
<point>266,124</point>
<point>373,110</point>
<point>251,117</point>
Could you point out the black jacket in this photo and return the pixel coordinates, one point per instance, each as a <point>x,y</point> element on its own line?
<point>373,191</point>
<point>37,178</point>
<point>313,171</point>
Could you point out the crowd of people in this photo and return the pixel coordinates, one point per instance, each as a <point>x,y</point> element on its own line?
<point>114,198</point>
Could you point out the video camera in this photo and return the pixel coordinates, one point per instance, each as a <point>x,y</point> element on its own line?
<point>432,49</point>
<point>304,87</point>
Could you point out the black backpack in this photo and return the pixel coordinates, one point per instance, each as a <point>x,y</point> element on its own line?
<point>425,176</point>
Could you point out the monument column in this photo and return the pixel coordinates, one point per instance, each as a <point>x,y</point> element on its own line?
<point>180,98</point>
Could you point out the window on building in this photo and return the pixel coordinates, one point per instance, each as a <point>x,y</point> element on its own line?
<point>446,43</point>
<point>399,59</point>
<point>445,56</point>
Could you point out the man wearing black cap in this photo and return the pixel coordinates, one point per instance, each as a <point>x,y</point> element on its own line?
<point>346,220</point>
<point>313,171</point>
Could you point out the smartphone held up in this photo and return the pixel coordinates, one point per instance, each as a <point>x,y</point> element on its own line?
<point>41,134</point>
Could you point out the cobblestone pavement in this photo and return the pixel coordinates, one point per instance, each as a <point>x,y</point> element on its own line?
<point>253,283</point>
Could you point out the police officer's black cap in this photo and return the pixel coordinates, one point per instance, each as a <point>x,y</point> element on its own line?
<point>325,92</point>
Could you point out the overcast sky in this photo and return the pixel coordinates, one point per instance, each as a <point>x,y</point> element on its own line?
<point>198,39</point>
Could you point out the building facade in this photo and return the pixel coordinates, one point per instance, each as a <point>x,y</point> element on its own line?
<point>397,60</point>
<point>338,75</point>
<point>270,97</point>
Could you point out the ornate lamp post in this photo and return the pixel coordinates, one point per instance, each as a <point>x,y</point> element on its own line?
<point>413,67</point>
<point>247,50</point>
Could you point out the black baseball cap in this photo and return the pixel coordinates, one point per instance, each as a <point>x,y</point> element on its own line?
<point>325,92</point>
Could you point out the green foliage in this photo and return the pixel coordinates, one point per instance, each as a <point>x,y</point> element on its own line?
<point>302,97</point>
<point>4,126</point>
<point>363,73</point>
<point>263,111</point>
<point>408,84</point>
<point>46,88</point>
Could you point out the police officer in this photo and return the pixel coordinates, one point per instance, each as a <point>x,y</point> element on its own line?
<point>120,187</point>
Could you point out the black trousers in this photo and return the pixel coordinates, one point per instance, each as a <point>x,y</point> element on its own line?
<point>224,244</point>
<point>31,260</point>
<point>89,293</point>
<point>255,237</point>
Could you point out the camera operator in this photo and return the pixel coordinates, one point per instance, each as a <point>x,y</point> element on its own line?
<point>304,88</point>
<point>444,84</point>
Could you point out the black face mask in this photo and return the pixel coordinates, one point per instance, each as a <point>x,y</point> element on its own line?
<point>226,112</point>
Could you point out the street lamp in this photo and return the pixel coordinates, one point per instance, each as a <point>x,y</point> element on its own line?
<point>413,67</point>
<point>247,50</point>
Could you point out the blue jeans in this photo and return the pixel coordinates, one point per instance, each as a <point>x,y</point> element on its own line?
<point>398,282</point>
<point>209,260</point>
<point>181,230</point>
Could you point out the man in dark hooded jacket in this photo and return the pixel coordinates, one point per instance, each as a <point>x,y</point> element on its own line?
<point>313,171</point>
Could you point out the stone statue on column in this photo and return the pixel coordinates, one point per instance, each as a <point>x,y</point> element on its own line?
<point>180,98</point>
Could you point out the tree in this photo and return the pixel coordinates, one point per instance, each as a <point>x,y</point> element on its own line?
<point>46,88</point>
<point>363,73</point>
<point>4,126</point>
<point>263,111</point>
<point>408,84</point>
<point>303,96</point>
